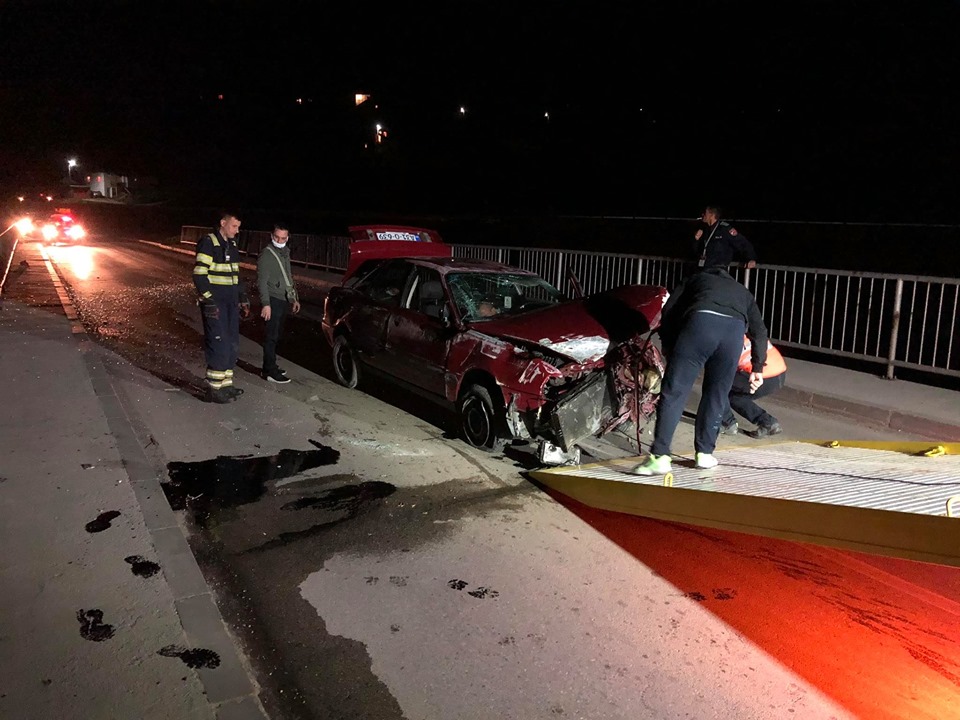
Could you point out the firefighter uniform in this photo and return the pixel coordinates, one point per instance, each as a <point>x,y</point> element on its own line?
<point>216,276</point>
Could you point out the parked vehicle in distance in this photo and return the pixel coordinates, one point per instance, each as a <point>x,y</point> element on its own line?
<point>513,356</point>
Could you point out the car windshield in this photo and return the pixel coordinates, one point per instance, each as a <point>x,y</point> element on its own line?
<point>482,296</point>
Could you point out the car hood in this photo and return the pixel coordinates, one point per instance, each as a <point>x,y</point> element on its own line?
<point>584,329</point>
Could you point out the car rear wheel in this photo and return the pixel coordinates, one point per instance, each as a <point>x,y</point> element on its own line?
<point>481,420</point>
<point>345,365</point>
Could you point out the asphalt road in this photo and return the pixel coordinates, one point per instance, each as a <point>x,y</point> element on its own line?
<point>371,565</point>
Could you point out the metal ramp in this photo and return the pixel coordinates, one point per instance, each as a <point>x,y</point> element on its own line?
<point>899,499</point>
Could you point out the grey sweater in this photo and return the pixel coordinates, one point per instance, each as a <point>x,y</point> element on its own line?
<point>270,278</point>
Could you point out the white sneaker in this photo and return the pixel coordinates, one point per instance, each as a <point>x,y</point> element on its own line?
<point>705,461</point>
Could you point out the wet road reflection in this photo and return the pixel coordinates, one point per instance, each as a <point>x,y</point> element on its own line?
<point>77,260</point>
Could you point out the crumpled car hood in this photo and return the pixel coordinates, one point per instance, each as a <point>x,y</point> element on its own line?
<point>585,329</point>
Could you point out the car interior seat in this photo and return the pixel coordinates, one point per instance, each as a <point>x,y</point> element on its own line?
<point>432,298</point>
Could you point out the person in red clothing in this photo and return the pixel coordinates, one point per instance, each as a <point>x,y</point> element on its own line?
<point>744,393</point>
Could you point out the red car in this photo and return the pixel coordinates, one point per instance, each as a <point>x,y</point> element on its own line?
<point>510,353</point>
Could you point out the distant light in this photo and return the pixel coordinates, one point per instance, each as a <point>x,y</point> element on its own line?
<point>463,110</point>
<point>20,198</point>
<point>299,101</point>
<point>360,98</point>
<point>220,96</point>
<point>49,198</point>
<point>71,163</point>
<point>546,115</point>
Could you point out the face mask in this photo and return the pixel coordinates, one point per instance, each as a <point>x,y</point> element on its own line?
<point>278,245</point>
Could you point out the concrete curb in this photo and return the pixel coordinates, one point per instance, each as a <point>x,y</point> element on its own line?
<point>873,414</point>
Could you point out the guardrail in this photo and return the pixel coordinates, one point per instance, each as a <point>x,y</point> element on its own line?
<point>327,252</point>
<point>899,321</point>
<point>896,320</point>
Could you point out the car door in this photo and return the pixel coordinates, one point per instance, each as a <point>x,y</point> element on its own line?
<point>377,297</point>
<point>419,335</point>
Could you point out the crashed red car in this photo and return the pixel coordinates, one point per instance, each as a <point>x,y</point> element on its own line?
<point>510,353</point>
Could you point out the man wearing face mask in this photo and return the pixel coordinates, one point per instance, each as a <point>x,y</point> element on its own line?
<point>278,294</point>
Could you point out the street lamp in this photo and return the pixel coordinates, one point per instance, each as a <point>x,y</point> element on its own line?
<point>71,164</point>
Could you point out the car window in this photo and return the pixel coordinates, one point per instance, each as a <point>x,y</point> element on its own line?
<point>480,296</point>
<point>386,283</point>
<point>427,295</point>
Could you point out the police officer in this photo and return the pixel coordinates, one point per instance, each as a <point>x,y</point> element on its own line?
<point>702,328</point>
<point>216,276</point>
<point>720,244</point>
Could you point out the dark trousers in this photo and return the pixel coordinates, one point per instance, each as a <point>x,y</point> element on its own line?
<point>278,315</point>
<point>707,342</point>
<point>742,402</point>
<point>221,340</point>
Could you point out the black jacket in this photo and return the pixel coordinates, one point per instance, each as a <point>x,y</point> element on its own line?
<point>716,290</point>
<point>720,245</point>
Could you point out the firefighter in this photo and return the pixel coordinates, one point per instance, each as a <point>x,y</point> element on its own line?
<point>216,276</point>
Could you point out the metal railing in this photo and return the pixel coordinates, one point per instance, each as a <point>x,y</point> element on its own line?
<point>328,252</point>
<point>899,321</point>
<point>896,320</point>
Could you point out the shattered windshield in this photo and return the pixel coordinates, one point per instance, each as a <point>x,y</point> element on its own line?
<point>482,296</point>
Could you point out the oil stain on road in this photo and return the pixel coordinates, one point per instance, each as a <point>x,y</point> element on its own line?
<point>92,626</point>
<point>206,486</point>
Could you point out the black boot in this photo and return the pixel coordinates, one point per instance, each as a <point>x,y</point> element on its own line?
<point>218,395</point>
<point>232,391</point>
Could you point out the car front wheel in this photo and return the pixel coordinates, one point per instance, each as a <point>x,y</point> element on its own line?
<point>481,419</point>
<point>345,365</point>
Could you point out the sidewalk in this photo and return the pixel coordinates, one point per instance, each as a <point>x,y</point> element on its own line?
<point>104,612</point>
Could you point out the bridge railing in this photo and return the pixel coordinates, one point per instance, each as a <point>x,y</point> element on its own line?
<point>895,320</point>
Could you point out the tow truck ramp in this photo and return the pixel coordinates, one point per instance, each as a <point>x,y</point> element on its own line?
<point>898,499</point>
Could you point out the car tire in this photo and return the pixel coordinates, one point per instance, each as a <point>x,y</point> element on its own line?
<point>481,420</point>
<point>346,368</point>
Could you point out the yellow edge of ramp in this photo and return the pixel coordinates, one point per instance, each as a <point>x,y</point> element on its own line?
<point>914,536</point>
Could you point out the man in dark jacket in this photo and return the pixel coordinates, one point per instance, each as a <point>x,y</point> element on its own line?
<point>278,293</point>
<point>720,244</point>
<point>702,328</point>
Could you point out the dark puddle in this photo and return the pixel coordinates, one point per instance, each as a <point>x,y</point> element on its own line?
<point>102,522</point>
<point>192,657</point>
<point>226,482</point>
<point>92,626</point>
<point>141,567</point>
<point>344,503</point>
<point>348,498</point>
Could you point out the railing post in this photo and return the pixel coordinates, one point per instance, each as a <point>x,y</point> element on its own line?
<point>559,284</point>
<point>746,277</point>
<point>895,328</point>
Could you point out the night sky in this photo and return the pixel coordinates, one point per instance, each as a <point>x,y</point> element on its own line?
<point>824,110</point>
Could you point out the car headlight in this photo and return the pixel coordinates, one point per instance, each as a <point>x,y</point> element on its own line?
<point>76,232</point>
<point>49,232</point>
